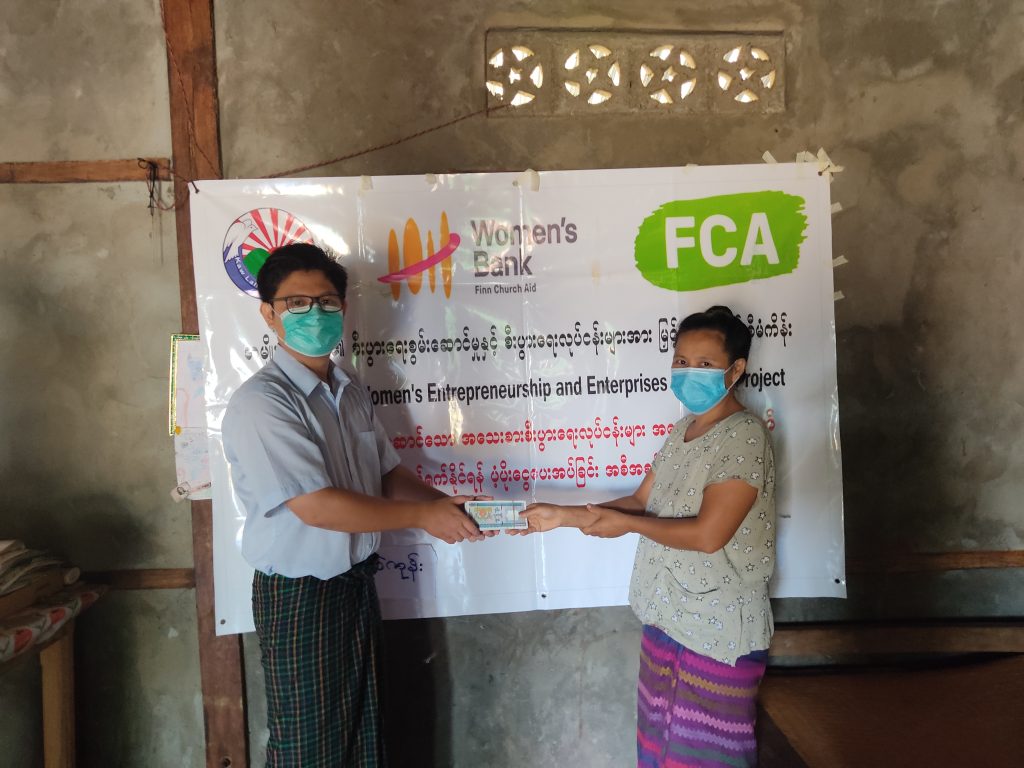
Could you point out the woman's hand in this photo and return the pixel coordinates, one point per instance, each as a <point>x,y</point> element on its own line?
<point>609,524</point>
<point>540,518</point>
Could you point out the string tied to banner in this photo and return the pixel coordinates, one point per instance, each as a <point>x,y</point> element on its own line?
<point>157,203</point>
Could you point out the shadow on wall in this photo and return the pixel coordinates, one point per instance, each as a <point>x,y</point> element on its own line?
<point>417,693</point>
<point>95,531</point>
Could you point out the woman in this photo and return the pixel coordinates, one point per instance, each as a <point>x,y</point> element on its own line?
<point>706,518</point>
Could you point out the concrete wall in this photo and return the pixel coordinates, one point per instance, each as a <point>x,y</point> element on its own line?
<point>90,297</point>
<point>921,101</point>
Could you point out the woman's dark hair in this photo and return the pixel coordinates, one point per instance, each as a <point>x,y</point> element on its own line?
<point>721,319</point>
<point>298,257</point>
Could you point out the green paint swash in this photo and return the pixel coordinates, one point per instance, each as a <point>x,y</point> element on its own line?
<point>689,245</point>
<point>255,259</point>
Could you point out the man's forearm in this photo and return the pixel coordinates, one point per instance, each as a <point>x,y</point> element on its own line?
<point>400,483</point>
<point>334,509</point>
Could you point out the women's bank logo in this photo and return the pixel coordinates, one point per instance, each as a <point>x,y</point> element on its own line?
<point>407,265</point>
<point>250,240</point>
<point>689,245</point>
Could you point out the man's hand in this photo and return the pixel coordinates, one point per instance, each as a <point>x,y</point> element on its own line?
<point>445,520</point>
<point>610,524</point>
<point>486,534</point>
<point>540,518</point>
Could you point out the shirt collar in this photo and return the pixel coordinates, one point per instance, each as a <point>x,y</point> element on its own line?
<point>301,376</point>
<point>341,379</point>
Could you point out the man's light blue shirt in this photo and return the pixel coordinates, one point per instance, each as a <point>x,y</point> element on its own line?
<point>286,434</point>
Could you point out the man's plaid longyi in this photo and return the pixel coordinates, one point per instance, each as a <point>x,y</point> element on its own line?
<point>320,643</point>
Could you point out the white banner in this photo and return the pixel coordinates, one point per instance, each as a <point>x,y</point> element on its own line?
<point>517,342</point>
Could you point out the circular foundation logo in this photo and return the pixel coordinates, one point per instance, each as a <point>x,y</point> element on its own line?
<point>251,238</point>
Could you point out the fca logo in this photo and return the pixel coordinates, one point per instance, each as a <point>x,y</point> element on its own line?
<point>409,263</point>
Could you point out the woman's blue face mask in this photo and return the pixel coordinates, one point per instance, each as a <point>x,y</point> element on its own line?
<point>699,389</point>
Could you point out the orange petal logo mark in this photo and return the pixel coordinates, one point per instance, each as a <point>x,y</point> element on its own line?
<point>411,254</point>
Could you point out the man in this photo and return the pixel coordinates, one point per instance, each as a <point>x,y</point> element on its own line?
<point>311,464</point>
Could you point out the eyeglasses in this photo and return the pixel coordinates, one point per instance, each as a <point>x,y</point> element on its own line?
<point>300,305</point>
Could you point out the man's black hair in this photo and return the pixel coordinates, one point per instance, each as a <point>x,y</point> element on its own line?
<point>298,257</point>
<point>721,319</point>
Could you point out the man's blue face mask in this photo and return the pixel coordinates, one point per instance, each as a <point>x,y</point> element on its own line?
<point>699,389</point>
<point>314,333</point>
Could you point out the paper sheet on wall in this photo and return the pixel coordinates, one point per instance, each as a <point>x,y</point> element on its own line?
<point>187,417</point>
<point>192,462</point>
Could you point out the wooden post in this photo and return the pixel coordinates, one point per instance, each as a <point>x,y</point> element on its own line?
<point>58,667</point>
<point>195,144</point>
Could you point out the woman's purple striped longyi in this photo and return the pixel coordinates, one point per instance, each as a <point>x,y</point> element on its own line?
<point>695,711</point>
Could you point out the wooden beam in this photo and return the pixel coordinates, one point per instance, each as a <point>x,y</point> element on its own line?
<point>145,578</point>
<point>58,672</point>
<point>72,171</point>
<point>924,562</point>
<point>195,143</point>
<point>850,640</point>
<point>184,578</point>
